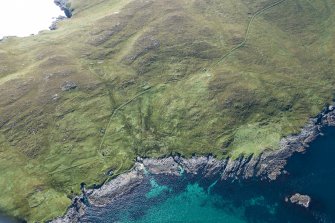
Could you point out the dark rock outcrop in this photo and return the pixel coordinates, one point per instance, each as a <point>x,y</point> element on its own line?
<point>64,5</point>
<point>54,24</point>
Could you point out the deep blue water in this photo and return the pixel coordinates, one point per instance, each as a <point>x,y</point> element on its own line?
<point>194,199</point>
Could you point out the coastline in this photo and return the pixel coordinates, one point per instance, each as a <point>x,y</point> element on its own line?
<point>267,166</point>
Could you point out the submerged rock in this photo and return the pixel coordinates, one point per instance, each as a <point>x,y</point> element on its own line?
<point>302,200</point>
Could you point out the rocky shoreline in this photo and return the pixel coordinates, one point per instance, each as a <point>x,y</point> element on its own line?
<point>267,166</point>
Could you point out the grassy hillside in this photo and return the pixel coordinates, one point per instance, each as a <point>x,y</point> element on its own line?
<point>126,78</point>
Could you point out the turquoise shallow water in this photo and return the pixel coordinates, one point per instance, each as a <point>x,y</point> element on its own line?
<point>194,199</point>
<point>193,204</point>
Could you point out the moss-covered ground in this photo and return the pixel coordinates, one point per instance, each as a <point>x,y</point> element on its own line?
<point>153,80</point>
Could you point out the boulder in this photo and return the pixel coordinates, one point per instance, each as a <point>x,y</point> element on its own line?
<point>68,85</point>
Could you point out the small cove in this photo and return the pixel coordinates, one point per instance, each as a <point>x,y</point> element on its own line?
<point>195,199</point>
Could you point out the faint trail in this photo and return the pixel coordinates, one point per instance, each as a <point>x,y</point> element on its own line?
<point>116,110</point>
<point>248,30</point>
<point>69,168</point>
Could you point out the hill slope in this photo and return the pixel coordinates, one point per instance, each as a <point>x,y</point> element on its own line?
<point>126,78</point>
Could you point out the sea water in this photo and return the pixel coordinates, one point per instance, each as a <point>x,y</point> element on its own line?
<point>195,199</point>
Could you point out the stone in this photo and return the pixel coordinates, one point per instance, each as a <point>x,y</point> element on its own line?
<point>68,85</point>
<point>139,159</point>
<point>55,97</point>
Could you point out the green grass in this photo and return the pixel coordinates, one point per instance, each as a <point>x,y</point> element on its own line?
<point>152,82</point>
